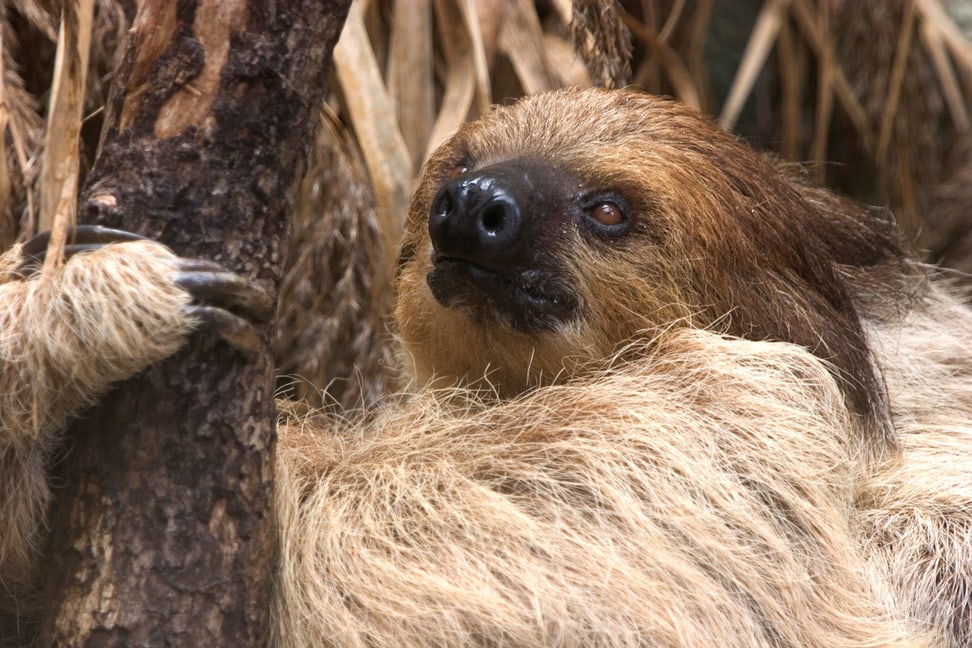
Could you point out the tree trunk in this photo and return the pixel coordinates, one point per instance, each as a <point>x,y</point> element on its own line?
<point>163,530</point>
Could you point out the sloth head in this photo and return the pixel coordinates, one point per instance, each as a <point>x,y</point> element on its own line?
<point>549,236</point>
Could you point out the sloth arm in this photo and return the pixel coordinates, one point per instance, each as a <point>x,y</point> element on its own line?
<point>697,498</point>
<point>104,315</point>
<point>117,305</point>
<point>64,338</point>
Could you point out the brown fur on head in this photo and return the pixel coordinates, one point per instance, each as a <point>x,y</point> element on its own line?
<point>711,235</point>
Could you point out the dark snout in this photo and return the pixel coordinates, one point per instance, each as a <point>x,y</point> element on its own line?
<point>496,235</point>
<point>482,218</point>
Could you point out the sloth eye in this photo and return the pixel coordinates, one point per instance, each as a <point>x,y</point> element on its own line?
<point>457,171</point>
<point>607,215</point>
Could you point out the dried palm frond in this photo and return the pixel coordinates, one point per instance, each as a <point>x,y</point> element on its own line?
<point>410,74</point>
<point>29,38</point>
<point>20,130</point>
<point>371,114</point>
<point>332,331</point>
<point>908,124</point>
<point>948,235</point>
<point>603,41</point>
<point>59,181</point>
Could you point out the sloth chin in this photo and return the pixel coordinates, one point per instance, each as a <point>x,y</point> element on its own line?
<point>530,301</point>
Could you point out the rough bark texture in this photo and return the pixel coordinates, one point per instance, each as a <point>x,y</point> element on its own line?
<point>162,533</point>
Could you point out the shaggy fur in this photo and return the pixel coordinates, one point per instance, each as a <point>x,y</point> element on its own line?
<point>751,427</point>
<point>701,497</point>
<point>64,338</point>
<point>917,510</point>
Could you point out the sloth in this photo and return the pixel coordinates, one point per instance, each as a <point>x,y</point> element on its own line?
<point>153,300</point>
<point>663,391</point>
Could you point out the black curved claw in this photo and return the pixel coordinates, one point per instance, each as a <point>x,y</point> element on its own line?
<point>79,239</point>
<point>210,284</point>
<point>234,329</point>
<point>227,304</point>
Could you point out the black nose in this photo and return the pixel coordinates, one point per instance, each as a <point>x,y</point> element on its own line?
<point>479,218</point>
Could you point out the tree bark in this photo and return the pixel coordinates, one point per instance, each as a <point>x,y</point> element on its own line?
<point>163,531</point>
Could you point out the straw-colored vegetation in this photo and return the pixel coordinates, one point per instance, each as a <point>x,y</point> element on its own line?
<point>872,96</point>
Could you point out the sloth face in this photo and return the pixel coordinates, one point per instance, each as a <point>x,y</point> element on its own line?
<point>525,256</point>
<point>495,233</point>
<point>555,234</point>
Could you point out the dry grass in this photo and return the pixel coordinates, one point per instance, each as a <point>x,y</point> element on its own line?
<point>408,73</point>
<point>59,178</point>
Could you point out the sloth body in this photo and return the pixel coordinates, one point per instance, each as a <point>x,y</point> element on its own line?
<point>666,393</point>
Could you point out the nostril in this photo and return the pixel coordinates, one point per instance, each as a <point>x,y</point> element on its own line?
<point>444,204</point>
<point>493,218</point>
<point>477,219</point>
<point>442,209</point>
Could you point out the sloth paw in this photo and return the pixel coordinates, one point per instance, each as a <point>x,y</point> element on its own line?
<point>80,239</point>
<point>223,302</point>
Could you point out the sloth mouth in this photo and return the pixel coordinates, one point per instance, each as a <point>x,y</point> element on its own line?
<point>529,300</point>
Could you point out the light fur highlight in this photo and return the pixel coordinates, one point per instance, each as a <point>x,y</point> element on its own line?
<point>701,497</point>
<point>64,338</point>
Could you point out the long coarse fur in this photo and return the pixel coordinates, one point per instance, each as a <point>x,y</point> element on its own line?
<point>753,430</point>
<point>917,509</point>
<point>701,497</point>
<point>64,338</point>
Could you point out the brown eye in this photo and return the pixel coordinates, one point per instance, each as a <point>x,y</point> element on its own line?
<point>607,214</point>
<point>457,171</point>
